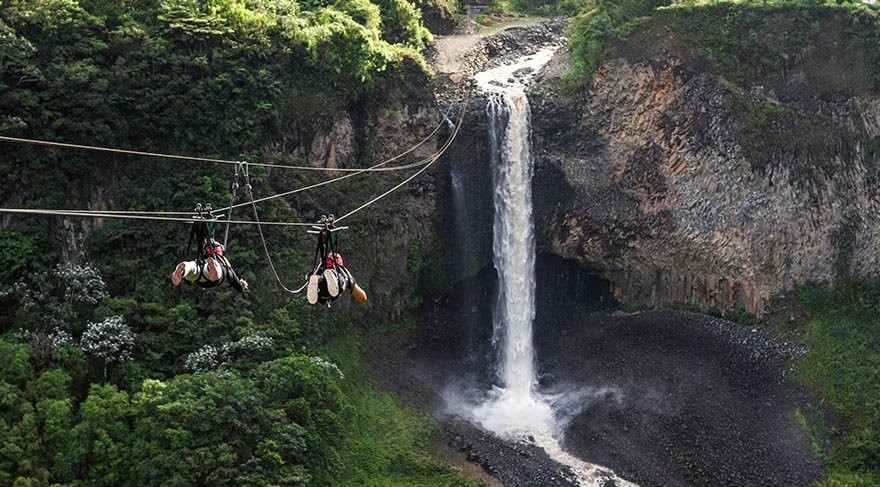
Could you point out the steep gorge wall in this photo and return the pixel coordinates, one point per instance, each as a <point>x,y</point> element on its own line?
<point>648,176</point>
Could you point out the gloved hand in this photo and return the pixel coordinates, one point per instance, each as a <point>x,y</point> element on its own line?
<point>244,285</point>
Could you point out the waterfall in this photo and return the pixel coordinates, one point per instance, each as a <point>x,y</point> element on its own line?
<point>513,240</point>
<point>515,408</point>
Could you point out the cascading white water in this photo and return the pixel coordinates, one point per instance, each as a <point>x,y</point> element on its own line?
<point>513,240</point>
<point>516,409</point>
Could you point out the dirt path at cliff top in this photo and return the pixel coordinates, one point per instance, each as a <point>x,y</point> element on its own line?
<point>450,51</point>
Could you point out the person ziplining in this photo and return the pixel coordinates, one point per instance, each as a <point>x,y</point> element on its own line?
<point>211,268</point>
<point>330,278</point>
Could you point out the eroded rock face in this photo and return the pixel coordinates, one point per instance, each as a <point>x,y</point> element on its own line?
<point>644,176</point>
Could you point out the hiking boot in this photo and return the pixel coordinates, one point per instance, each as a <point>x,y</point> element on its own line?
<point>177,275</point>
<point>312,289</point>
<point>332,282</point>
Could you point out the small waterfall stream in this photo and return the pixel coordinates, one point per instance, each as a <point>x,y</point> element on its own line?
<point>515,408</point>
<point>460,213</point>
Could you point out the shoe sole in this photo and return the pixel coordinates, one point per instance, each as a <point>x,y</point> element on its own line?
<point>312,289</point>
<point>212,273</point>
<point>332,283</point>
<point>177,275</point>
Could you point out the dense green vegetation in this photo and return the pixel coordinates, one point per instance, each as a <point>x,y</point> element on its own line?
<point>843,367</point>
<point>76,410</point>
<point>387,439</point>
<point>108,375</point>
<point>751,42</point>
<point>296,420</point>
<point>799,52</point>
<point>761,43</point>
<point>597,26</point>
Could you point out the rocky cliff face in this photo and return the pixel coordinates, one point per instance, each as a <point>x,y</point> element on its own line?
<point>653,176</point>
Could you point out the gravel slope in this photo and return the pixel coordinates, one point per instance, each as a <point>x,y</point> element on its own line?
<point>697,401</point>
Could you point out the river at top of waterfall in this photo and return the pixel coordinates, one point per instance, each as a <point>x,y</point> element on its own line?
<point>515,76</point>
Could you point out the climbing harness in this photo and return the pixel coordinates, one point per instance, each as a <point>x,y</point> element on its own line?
<point>326,231</point>
<point>202,232</point>
<point>203,229</point>
<point>328,259</point>
<point>327,241</point>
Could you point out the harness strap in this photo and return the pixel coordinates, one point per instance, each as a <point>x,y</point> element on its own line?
<point>231,204</point>
<point>203,280</point>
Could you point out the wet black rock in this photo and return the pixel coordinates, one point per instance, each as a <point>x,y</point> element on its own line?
<point>514,464</point>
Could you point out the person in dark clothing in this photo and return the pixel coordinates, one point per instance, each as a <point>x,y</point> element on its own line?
<point>211,270</point>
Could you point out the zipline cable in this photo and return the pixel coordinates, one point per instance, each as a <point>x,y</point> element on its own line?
<point>266,247</point>
<point>420,171</point>
<point>63,145</point>
<point>426,163</point>
<point>351,171</point>
<point>139,216</point>
<point>31,211</point>
<point>422,162</point>
<point>418,163</point>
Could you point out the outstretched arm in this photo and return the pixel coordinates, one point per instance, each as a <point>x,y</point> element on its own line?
<point>234,281</point>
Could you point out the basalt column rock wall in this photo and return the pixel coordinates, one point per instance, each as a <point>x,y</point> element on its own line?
<point>643,175</point>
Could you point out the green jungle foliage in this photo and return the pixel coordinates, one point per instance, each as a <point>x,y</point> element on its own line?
<point>799,51</point>
<point>384,451</point>
<point>600,24</point>
<point>843,367</point>
<point>763,42</point>
<point>748,41</point>
<point>108,375</point>
<point>296,420</point>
